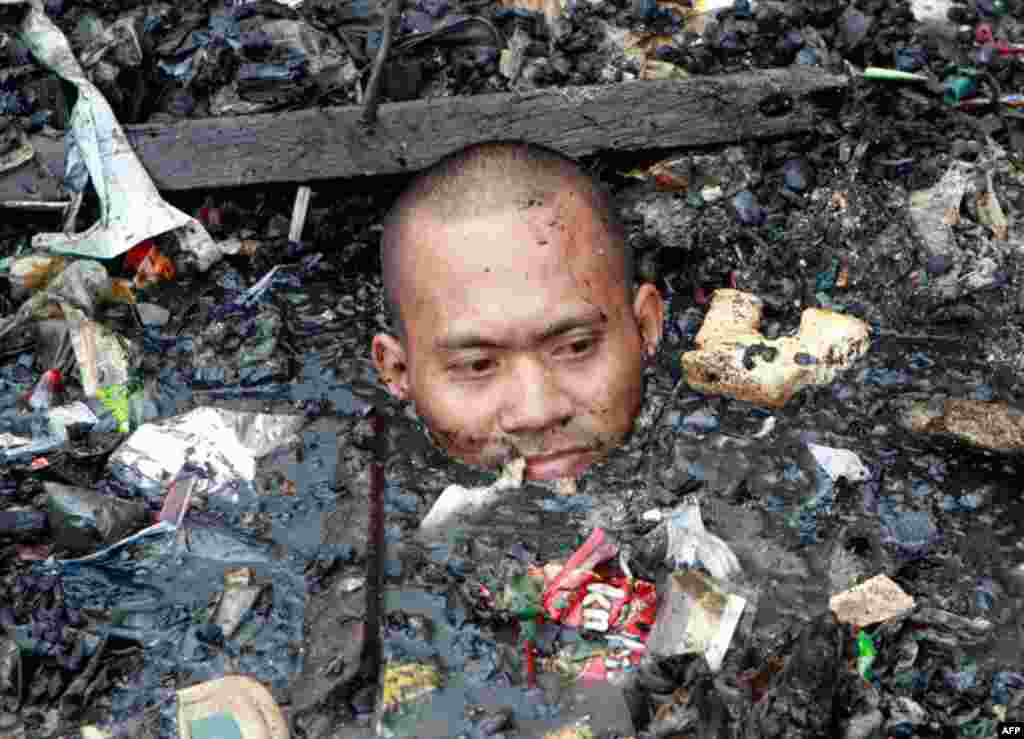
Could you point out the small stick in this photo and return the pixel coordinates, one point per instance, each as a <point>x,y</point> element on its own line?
<point>371,657</point>
<point>370,98</point>
<point>299,213</point>
<point>43,206</point>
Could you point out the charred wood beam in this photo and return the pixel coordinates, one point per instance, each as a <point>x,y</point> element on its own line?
<point>329,143</point>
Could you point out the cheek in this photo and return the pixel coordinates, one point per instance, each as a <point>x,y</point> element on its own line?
<point>610,390</point>
<point>459,416</point>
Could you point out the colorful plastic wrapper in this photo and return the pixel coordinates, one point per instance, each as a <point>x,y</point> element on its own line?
<point>406,696</point>
<point>699,616</point>
<point>578,571</point>
<point>104,358</point>
<point>131,209</point>
<point>81,285</point>
<point>590,594</point>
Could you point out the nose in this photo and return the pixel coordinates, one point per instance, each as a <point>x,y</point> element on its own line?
<point>534,400</point>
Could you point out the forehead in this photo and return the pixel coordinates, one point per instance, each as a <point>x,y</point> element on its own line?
<point>520,236</point>
<point>508,268</point>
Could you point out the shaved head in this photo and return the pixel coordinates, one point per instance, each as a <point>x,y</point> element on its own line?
<point>517,329</point>
<point>486,179</point>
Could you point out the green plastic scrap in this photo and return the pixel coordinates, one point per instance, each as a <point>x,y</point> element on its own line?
<point>893,75</point>
<point>865,654</point>
<point>528,629</point>
<point>978,727</point>
<point>122,401</point>
<point>115,399</point>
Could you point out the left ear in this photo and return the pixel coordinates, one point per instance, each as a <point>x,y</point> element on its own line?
<point>649,311</point>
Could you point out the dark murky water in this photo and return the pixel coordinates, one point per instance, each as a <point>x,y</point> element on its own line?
<point>944,521</point>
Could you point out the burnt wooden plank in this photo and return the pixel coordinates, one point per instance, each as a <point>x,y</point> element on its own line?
<point>326,143</point>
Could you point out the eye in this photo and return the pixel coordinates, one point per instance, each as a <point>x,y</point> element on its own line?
<point>474,368</point>
<point>577,348</point>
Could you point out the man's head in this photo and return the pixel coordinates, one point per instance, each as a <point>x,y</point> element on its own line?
<point>518,329</point>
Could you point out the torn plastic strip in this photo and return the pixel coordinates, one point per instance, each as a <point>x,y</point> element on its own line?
<point>131,209</point>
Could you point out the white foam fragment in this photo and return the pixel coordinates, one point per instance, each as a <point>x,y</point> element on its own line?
<point>839,463</point>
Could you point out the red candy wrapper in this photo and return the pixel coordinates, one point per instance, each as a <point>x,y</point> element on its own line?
<point>561,595</point>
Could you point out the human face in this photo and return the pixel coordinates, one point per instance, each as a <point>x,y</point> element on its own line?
<point>520,339</point>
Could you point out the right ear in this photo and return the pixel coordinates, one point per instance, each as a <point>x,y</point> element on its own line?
<point>392,368</point>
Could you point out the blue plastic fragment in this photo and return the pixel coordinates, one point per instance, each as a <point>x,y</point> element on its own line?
<point>38,120</point>
<point>884,377</point>
<point>807,57</point>
<point>920,360</point>
<point>913,532</point>
<point>793,40</point>
<point>961,680</point>
<point>748,211</point>
<point>11,103</point>
<point>702,421</point>
<point>373,40</point>
<point>985,594</point>
<point>729,40</point>
<point>647,9</point>
<point>796,174</point>
<point>910,58</point>
<point>1002,683</point>
<point>983,393</point>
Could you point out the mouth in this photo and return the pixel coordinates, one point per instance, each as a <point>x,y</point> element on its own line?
<point>570,463</point>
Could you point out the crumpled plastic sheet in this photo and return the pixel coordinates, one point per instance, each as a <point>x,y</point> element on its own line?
<point>225,443</point>
<point>689,543</point>
<point>131,209</point>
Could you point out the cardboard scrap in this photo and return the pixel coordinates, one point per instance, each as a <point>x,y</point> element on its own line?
<point>871,602</point>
